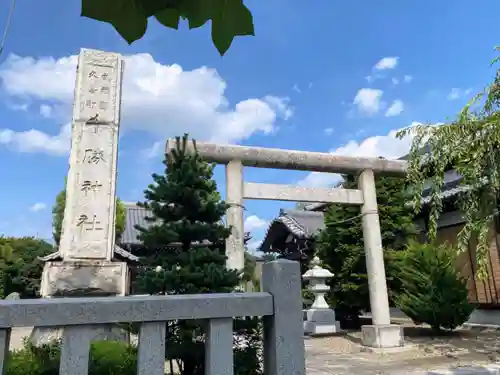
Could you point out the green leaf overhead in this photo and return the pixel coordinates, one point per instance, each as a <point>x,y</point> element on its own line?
<point>230,18</point>
<point>169,18</point>
<point>198,12</point>
<point>127,16</point>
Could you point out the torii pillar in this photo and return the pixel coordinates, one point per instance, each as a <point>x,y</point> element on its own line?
<point>381,333</point>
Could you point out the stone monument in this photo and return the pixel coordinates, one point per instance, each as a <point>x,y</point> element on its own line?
<point>88,262</point>
<point>320,318</point>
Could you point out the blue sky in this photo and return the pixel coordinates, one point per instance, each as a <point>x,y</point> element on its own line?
<point>320,76</point>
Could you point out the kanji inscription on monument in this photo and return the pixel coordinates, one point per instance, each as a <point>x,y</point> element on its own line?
<point>90,187</point>
<point>89,217</point>
<point>98,80</point>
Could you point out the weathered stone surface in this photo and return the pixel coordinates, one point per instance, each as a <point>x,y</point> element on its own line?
<point>382,336</point>
<point>13,295</point>
<point>372,238</point>
<point>57,312</point>
<point>283,331</point>
<point>293,159</point>
<point>320,318</point>
<point>252,190</point>
<point>88,229</point>
<point>42,336</point>
<point>343,356</point>
<point>72,279</point>
<point>321,322</point>
<point>235,247</point>
<point>89,216</point>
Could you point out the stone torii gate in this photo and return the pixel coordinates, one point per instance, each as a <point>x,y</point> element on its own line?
<point>381,333</point>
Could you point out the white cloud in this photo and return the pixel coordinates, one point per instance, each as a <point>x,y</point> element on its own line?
<point>164,100</point>
<point>38,207</point>
<point>396,108</point>
<point>319,179</point>
<point>45,110</point>
<point>253,245</point>
<point>457,93</point>
<point>154,151</point>
<point>368,101</point>
<point>387,146</point>
<point>279,105</point>
<point>386,63</point>
<point>23,107</point>
<point>254,222</point>
<point>34,141</point>
<point>407,78</point>
<point>375,77</point>
<point>395,81</point>
<point>328,131</point>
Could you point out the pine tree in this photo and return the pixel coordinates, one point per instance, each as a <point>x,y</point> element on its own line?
<point>341,248</point>
<point>186,243</point>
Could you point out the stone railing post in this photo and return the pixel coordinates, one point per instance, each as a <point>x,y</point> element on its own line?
<point>284,352</point>
<point>381,334</point>
<point>320,317</point>
<point>234,197</point>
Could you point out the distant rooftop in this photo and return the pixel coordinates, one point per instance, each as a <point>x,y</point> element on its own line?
<point>302,224</point>
<point>135,215</point>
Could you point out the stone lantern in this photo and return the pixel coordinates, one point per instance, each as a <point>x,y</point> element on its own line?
<point>320,318</point>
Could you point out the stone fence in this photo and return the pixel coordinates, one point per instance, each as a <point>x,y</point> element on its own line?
<point>280,304</point>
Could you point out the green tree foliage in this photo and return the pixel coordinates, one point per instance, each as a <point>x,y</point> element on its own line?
<point>228,18</point>
<point>106,357</point>
<point>340,245</point>
<point>471,146</point>
<point>187,211</point>
<point>20,268</point>
<point>249,268</point>
<point>432,290</point>
<point>58,215</point>
<point>250,264</point>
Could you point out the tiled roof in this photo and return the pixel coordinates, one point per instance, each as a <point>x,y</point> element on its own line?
<point>450,188</point>
<point>451,184</point>
<point>135,215</point>
<point>302,224</point>
<point>119,254</point>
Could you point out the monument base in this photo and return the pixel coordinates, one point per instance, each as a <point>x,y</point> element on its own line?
<point>321,322</point>
<point>45,335</point>
<point>382,336</point>
<point>84,279</point>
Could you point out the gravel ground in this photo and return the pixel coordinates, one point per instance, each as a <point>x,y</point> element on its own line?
<point>464,348</point>
<point>341,355</point>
